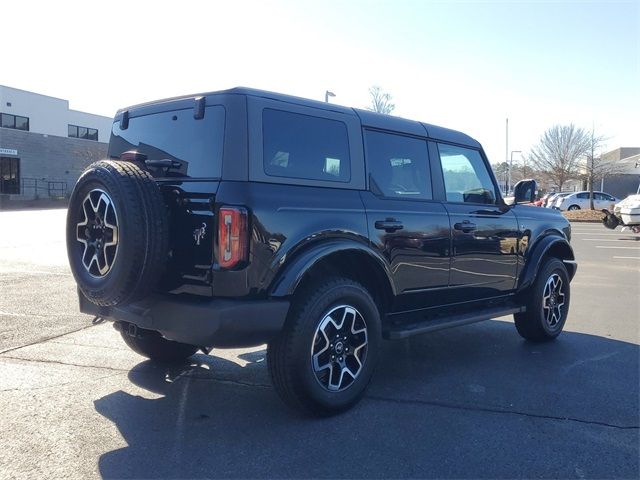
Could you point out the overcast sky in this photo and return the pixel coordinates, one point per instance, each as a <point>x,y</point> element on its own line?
<point>462,65</point>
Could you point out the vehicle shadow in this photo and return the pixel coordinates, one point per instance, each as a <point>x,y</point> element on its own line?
<point>476,401</point>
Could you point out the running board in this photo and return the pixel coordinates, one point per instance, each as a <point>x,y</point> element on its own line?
<point>403,331</point>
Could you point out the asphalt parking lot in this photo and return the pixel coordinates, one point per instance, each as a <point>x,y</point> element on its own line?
<point>470,402</point>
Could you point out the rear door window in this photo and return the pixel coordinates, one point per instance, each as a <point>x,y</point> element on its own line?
<point>305,147</point>
<point>197,144</point>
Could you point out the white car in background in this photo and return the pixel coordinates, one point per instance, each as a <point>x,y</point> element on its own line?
<point>553,198</point>
<point>580,200</point>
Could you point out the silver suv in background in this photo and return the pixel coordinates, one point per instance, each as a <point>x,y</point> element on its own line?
<point>551,201</point>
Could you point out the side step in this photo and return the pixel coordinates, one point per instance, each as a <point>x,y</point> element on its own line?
<point>397,332</point>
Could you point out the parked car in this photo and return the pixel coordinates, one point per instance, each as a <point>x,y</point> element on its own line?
<point>580,200</point>
<point>554,197</point>
<point>242,217</point>
<point>543,200</point>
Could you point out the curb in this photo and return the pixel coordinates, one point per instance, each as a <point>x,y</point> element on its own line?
<point>582,220</point>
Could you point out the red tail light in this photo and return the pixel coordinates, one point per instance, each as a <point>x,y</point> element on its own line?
<point>233,236</point>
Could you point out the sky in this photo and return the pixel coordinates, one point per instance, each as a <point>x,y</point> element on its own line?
<point>462,65</point>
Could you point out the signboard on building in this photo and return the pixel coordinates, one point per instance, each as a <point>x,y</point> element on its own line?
<point>8,151</point>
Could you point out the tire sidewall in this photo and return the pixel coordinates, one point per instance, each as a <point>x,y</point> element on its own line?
<point>553,266</point>
<point>96,177</point>
<point>357,297</point>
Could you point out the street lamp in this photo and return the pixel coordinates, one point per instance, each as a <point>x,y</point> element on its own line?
<point>510,168</point>
<point>328,94</point>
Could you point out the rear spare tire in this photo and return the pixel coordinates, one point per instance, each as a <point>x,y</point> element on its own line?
<point>117,233</point>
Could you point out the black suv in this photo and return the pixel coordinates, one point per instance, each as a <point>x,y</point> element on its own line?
<point>243,217</point>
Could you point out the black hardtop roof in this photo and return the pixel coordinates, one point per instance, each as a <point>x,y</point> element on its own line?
<point>367,118</point>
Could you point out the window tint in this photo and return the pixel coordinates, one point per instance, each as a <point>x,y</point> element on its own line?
<point>466,178</point>
<point>82,132</point>
<point>8,121</point>
<point>22,123</point>
<point>14,121</point>
<point>582,195</point>
<point>175,135</point>
<point>398,165</point>
<point>306,147</point>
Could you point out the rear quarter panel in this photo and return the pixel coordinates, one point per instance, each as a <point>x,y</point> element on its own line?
<point>286,221</point>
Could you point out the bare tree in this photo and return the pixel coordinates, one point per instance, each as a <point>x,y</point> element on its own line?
<point>380,102</point>
<point>558,152</point>
<point>501,170</point>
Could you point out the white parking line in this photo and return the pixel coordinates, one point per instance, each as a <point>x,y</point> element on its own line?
<point>605,234</point>
<point>633,258</point>
<point>626,248</point>
<point>603,239</point>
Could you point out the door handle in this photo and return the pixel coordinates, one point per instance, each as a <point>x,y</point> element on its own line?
<point>389,225</point>
<point>466,226</point>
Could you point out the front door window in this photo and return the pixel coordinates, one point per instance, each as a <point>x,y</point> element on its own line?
<point>466,178</point>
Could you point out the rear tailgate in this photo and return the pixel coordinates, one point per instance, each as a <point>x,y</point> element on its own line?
<point>181,144</point>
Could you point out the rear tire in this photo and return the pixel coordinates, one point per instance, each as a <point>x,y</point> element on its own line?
<point>547,305</point>
<point>152,345</point>
<point>573,207</point>
<point>323,360</point>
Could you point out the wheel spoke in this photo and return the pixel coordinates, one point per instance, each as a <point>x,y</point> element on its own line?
<point>339,348</point>
<point>97,232</point>
<point>553,299</point>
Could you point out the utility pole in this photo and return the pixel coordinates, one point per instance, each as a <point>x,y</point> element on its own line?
<point>511,163</point>
<point>506,156</point>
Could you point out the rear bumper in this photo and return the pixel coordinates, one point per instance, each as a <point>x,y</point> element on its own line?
<point>208,323</point>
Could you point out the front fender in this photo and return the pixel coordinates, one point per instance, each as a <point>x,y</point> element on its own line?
<point>553,245</point>
<point>289,277</point>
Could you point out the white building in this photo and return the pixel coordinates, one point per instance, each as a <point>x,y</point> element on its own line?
<point>45,145</point>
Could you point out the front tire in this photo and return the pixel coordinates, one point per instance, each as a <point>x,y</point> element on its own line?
<point>573,208</point>
<point>547,305</point>
<point>152,345</point>
<point>324,358</point>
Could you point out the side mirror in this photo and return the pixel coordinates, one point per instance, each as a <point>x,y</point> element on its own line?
<point>524,191</point>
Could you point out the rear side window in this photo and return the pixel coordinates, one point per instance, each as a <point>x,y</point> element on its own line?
<point>305,147</point>
<point>176,135</point>
<point>399,165</point>
<point>582,196</point>
<point>466,178</point>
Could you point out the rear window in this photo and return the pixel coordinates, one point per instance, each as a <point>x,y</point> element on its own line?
<point>176,135</point>
<point>305,147</point>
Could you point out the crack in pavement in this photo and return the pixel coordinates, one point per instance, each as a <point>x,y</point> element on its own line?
<point>125,370</point>
<point>498,410</point>
<point>370,397</point>
<point>30,389</point>
<point>58,362</point>
<point>42,340</point>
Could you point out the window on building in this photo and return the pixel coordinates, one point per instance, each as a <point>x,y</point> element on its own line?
<point>83,132</point>
<point>18,122</point>
<point>399,165</point>
<point>9,175</point>
<point>305,147</point>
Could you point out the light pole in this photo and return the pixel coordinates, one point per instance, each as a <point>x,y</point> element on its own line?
<point>510,168</point>
<point>328,94</point>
